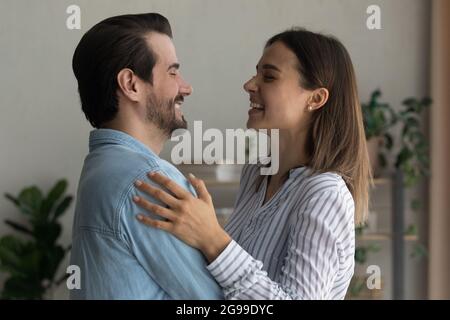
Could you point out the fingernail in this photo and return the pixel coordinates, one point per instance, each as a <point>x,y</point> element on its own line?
<point>136,198</point>
<point>151,174</point>
<point>139,217</point>
<point>191,176</point>
<point>138,183</point>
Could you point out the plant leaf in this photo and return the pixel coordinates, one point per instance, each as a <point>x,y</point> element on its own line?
<point>22,288</point>
<point>426,101</point>
<point>30,200</point>
<point>52,261</point>
<point>19,227</point>
<point>376,94</point>
<point>12,199</point>
<point>411,230</point>
<point>416,204</point>
<point>360,255</point>
<point>419,251</point>
<point>53,196</point>
<point>411,103</point>
<point>10,251</point>
<point>388,141</point>
<point>47,233</point>
<point>377,117</point>
<point>61,208</point>
<point>404,155</point>
<point>412,122</point>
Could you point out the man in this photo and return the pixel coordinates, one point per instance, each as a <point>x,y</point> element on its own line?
<point>131,91</point>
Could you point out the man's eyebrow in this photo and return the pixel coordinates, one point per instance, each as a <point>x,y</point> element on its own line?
<point>269,66</point>
<point>175,65</point>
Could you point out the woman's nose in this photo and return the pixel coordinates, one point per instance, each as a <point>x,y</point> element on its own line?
<point>250,85</point>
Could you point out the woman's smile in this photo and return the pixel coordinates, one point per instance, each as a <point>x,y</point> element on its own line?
<point>255,109</point>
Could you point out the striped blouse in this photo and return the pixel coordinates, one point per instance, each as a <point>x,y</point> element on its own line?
<point>300,244</point>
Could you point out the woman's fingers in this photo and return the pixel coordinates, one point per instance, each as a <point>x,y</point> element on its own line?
<point>199,187</point>
<point>156,209</point>
<point>169,184</point>
<point>159,224</point>
<point>157,193</point>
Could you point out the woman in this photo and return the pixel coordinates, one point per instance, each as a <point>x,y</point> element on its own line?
<point>291,235</point>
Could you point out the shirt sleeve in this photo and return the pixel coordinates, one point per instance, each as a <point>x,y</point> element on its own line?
<point>311,264</point>
<point>180,270</point>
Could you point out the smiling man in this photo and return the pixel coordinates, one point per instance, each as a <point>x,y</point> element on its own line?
<point>131,91</point>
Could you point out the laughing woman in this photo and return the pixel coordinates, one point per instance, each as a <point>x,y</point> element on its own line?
<point>291,235</point>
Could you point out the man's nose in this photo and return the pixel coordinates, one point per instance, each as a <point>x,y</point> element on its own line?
<point>185,88</point>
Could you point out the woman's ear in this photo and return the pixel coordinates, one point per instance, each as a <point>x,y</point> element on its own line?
<point>128,86</point>
<point>318,99</point>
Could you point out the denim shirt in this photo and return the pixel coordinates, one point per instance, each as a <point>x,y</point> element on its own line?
<point>118,257</point>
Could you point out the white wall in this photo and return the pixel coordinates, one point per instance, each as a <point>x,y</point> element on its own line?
<point>43,133</point>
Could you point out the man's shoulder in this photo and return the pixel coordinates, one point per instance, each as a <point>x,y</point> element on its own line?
<point>107,177</point>
<point>121,159</point>
<point>110,172</point>
<point>117,166</point>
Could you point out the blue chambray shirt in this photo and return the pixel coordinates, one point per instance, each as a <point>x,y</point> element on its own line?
<point>120,258</point>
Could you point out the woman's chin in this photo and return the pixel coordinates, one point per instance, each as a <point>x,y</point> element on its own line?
<point>252,125</point>
<point>256,126</point>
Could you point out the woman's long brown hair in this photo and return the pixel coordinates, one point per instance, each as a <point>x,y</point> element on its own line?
<point>336,141</point>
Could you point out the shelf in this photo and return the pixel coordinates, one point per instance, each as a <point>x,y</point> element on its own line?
<point>381,181</point>
<point>383,237</point>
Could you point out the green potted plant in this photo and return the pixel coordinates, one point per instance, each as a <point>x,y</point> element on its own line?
<point>378,118</point>
<point>32,261</point>
<point>412,158</point>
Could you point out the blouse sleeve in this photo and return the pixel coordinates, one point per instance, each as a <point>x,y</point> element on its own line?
<point>311,264</point>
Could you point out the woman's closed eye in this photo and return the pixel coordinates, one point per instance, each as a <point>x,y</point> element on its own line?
<point>268,78</point>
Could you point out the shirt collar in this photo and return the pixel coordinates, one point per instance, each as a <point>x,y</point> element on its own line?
<point>295,172</point>
<point>99,137</point>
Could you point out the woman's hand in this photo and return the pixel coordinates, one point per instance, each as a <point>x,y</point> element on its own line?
<point>192,220</point>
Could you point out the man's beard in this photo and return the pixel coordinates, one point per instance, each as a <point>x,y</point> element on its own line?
<point>163,114</point>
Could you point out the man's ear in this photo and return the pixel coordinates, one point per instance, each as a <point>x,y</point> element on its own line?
<point>128,84</point>
<point>318,99</point>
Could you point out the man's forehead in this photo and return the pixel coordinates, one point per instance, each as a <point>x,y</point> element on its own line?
<point>162,46</point>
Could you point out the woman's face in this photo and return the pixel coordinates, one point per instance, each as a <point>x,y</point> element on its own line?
<point>276,99</point>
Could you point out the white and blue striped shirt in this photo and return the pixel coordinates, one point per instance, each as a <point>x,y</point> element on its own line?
<point>300,244</point>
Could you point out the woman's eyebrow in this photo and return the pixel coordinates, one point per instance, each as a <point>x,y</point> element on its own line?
<point>269,66</point>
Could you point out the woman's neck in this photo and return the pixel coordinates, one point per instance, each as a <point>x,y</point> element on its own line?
<point>292,152</point>
<point>292,155</point>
